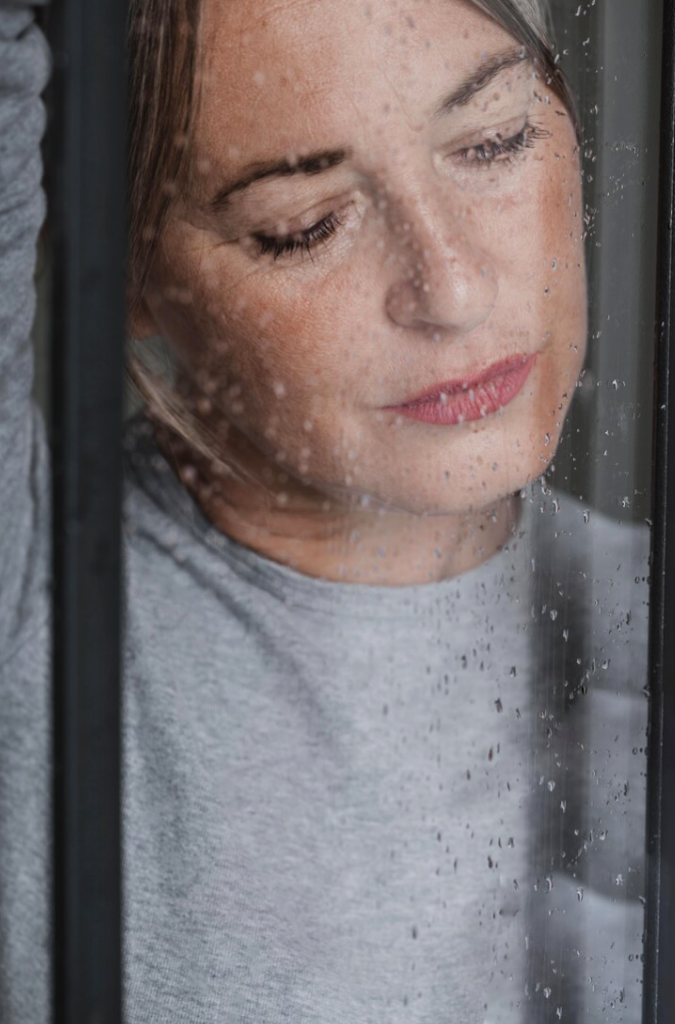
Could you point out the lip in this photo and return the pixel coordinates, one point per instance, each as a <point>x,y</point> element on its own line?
<point>470,398</point>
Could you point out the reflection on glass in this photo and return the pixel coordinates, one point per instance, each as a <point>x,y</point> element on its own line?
<point>384,688</point>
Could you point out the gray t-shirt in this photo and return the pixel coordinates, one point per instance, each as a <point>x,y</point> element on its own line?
<point>341,803</point>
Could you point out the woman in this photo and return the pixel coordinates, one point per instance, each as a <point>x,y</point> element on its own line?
<point>353,650</point>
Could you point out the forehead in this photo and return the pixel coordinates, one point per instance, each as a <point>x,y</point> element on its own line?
<point>273,70</point>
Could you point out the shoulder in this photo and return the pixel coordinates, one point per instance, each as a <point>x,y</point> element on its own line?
<point>596,568</point>
<point>579,536</point>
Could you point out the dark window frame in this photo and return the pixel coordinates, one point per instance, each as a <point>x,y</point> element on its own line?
<point>86,179</point>
<point>659,976</point>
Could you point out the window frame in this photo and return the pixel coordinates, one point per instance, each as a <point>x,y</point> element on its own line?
<point>659,952</point>
<point>86,183</point>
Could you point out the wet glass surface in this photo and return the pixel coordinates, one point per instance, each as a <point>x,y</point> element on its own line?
<point>406,300</point>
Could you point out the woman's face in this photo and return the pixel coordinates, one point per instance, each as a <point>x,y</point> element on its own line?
<point>376,273</point>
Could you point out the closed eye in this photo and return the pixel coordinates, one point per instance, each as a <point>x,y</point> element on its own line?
<point>299,241</point>
<point>502,150</point>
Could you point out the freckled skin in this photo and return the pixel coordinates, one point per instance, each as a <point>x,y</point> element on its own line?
<point>439,268</point>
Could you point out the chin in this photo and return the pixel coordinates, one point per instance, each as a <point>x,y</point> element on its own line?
<point>461,490</point>
<point>456,497</point>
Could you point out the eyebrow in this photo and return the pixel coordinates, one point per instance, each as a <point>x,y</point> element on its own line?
<point>313,163</point>
<point>481,77</point>
<point>323,160</point>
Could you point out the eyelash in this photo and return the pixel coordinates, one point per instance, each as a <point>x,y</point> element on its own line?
<point>301,240</point>
<point>501,150</point>
<point>492,150</point>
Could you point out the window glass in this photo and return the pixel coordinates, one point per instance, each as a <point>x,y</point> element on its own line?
<point>411,237</point>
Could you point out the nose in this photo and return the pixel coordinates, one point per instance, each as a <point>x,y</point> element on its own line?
<point>442,282</point>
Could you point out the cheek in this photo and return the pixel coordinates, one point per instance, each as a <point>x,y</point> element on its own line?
<point>279,339</point>
<point>546,250</point>
<point>542,270</point>
<point>269,351</point>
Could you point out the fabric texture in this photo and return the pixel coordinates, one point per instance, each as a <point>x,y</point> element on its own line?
<point>341,803</point>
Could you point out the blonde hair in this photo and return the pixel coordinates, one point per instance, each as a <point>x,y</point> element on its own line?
<point>163,94</point>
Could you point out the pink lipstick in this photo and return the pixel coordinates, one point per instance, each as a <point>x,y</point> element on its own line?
<point>470,399</point>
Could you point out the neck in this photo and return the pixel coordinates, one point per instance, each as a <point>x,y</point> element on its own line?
<point>292,524</point>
